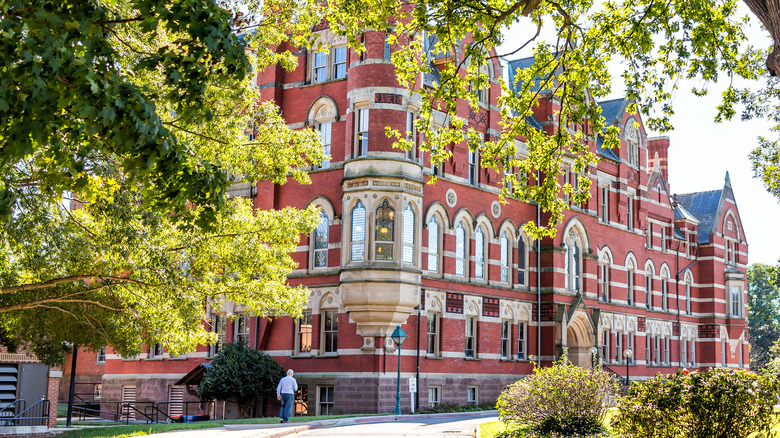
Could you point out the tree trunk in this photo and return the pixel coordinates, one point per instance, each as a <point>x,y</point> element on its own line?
<point>768,12</point>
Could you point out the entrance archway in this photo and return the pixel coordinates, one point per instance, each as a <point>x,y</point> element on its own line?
<point>579,339</point>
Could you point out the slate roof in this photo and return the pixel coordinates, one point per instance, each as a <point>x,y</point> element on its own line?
<point>534,123</point>
<point>611,109</point>
<point>704,207</point>
<point>681,213</point>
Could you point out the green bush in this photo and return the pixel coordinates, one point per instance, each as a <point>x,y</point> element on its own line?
<point>717,403</point>
<point>240,374</point>
<point>560,400</point>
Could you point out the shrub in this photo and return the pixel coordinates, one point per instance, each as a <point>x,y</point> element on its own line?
<point>717,403</point>
<point>562,399</point>
<point>240,374</point>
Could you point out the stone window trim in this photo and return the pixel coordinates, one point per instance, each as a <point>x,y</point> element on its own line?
<point>304,331</point>
<point>328,56</point>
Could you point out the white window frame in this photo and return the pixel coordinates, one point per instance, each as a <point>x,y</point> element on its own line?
<point>473,167</point>
<point>433,245</point>
<point>470,338</point>
<point>329,333</point>
<point>241,328</point>
<point>664,293</point>
<point>326,400</point>
<point>434,396</point>
<point>460,250</point>
<point>479,254</point>
<point>362,137</point>
<point>325,129</point>
<point>409,230</point>
<point>522,261</point>
<point>320,252</point>
<point>505,258</point>
<point>472,395</point>
<point>358,232</point>
<point>339,65</point>
<point>522,340</point>
<point>101,355</point>
<point>630,213</point>
<point>433,330</point>
<point>319,67</point>
<point>604,282</point>
<point>604,216</point>
<point>630,288</point>
<point>506,339</point>
<point>304,331</point>
<point>735,301</point>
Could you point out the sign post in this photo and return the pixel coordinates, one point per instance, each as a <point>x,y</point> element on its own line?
<point>412,390</point>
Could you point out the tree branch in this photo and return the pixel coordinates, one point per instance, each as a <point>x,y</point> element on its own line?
<point>71,279</point>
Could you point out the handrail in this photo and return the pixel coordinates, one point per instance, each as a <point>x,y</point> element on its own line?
<point>5,418</point>
<point>156,411</point>
<point>21,418</point>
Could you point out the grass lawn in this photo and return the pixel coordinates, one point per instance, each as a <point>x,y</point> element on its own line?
<point>113,431</point>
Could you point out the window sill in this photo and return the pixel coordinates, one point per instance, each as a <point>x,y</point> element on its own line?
<point>326,355</point>
<point>303,356</point>
<point>433,356</point>
<point>327,81</point>
<point>472,358</point>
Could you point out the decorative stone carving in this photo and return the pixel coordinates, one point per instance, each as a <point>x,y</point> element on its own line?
<point>452,198</point>
<point>495,209</point>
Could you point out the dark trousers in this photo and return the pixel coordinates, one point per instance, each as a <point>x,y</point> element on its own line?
<point>287,403</point>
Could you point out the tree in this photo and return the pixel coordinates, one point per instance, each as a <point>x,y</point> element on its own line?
<point>764,314</point>
<point>136,111</point>
<point>241,375</point>
<point>119,122</point>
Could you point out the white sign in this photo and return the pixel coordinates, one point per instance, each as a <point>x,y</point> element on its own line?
<point>412,384</point>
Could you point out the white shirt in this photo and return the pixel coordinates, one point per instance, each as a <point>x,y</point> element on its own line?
<point>287,385</point>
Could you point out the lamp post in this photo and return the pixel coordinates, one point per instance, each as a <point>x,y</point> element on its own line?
<point>593,352</point>
<point>398,337</point>
<point>627,353</point>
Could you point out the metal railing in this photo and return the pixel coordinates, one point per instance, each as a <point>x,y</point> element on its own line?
<point>148,412</point>
<point>35,415</point>
<point>10,409</point>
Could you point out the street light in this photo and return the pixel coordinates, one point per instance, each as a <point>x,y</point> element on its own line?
<point>628,353</point>
<point>398,337</point>
<point>593,352</point>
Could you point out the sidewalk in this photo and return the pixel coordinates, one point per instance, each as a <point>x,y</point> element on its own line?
<point>280,430</point>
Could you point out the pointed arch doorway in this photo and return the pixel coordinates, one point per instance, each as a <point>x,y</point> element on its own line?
<point>580,337</point>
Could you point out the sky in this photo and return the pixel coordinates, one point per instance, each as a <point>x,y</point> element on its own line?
<point>701,151</point>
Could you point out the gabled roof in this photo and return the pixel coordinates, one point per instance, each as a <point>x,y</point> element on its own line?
<point>704,207</point>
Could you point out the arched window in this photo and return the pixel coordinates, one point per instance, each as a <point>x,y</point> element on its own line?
<point>572,262</point>
<point>688,283</point>
<point>575,267</point>
<point>522,268</point>
<point>649,287</point>
<point>479,256</point>
<point>504,259</point>
<point>324,129</point>
<point>384,231</point>
<point>358,234</point>
<point>433,245</point>
<point>408,244</point>
<point>604,263</point>
<point>460,250</point>
<point>664,290</point>
<point>321,242</point>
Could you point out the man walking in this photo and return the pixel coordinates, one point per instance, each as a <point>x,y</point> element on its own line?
<point>285,392</point>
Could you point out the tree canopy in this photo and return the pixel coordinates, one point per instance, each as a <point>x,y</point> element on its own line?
<point>764,314</point>
<point>119,123</point>
<point>135,112</point>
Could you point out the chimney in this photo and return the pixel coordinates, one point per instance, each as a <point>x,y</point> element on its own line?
<point>658,148</point>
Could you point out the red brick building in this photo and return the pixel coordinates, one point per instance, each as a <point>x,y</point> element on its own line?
<point>634,267</point>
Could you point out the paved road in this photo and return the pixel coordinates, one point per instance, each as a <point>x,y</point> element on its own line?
<point>449,427</point>
<point>439,426</point>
